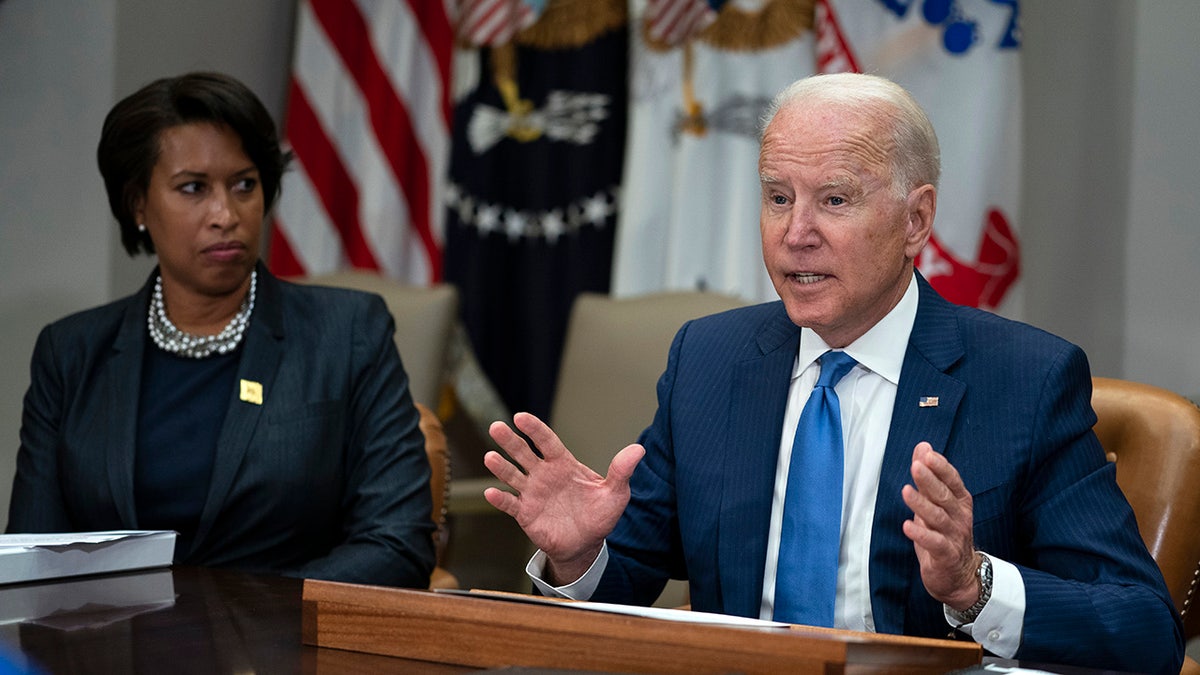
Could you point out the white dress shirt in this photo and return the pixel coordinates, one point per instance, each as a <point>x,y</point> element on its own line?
<point>867,395</point>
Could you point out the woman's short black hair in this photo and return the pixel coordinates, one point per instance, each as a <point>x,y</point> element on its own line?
<point>129,143</point>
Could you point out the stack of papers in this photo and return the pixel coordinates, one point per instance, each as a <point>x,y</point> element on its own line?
<point>30,557</point>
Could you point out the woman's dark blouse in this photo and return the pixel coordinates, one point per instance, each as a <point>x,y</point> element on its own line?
<point>180,413</point>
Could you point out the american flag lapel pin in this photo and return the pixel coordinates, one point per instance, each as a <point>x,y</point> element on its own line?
<point>927,402</point>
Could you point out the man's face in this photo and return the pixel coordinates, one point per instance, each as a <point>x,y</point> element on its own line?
<point>837,241</point>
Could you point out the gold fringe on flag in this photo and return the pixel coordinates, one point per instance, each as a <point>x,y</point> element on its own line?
<point>736,29</point>
<point>503,62</point>
<point>568,24</point>
<point>564,24</point>
<point>693,112</point>
<point>780,21</point>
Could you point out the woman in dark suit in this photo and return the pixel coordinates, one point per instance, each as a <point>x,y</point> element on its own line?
<point>268,423</point>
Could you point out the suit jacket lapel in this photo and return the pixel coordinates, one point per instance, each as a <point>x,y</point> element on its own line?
<point>121,382</point>
<point>261,354</point>
<point>934,346</point>
<point>759,398</point>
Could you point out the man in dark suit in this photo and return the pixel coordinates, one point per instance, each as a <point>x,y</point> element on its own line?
<point>975,499</point>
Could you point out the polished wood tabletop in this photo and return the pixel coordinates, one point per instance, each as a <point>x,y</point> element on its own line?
<point>180,620</point>
<point>186,620</point>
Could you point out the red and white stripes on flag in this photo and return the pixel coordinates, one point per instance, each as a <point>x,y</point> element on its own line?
<point>494,22</point>
<point>368,119</point>
<point>673,22</point>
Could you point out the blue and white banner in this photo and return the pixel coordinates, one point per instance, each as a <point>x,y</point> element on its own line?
<point>960,59</point>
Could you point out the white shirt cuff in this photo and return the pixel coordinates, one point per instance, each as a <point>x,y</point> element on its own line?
<point>580,589</point>
<point>998,627</point>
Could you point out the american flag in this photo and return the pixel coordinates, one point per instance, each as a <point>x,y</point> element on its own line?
<point>368,119</point>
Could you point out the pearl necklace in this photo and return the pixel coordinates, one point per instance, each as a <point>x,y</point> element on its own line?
<point>171,339</point>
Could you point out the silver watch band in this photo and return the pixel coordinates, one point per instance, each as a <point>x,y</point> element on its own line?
<point>984,574</point>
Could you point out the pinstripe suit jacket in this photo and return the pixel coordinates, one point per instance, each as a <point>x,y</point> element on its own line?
<point>1014,418</point>
<point>327,478</point>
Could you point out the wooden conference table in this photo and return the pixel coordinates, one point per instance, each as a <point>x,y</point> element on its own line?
<point>178,620</point>
<point>196,620</point>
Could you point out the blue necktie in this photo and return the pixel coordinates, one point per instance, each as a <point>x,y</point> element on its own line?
<point>806,575</point>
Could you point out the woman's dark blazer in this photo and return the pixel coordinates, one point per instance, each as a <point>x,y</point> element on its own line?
<point>327,477</point>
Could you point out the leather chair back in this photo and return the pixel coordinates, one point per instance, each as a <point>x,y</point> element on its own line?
<point>424,316</point>
<point>1153,435</point>
<point>614,352</point>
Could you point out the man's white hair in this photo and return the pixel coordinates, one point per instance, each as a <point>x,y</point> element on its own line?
<point>916,157</point>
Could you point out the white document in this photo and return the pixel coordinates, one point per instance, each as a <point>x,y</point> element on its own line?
<point>663,613</point>
<point>683,615</point>
<point>30,557</point>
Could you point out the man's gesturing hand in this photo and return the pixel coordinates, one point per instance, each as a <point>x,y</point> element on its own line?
<point>565,508</point>
<point>941,529</point>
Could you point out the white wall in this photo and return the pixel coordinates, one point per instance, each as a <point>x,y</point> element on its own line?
<point>56,73</point>
<point>1078,83</point>
<point>1110,225</point>
<point>1162,255</point>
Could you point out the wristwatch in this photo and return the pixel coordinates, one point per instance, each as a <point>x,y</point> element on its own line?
<point>984,573</point>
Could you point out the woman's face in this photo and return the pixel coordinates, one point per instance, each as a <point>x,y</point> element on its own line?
<point>203,210</point>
